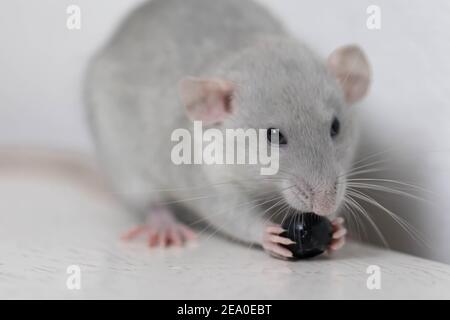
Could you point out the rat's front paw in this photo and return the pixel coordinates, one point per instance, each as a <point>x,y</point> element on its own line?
<point>339,233</point>
<point>273,242</point>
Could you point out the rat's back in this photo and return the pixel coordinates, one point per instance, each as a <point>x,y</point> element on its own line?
<point>132,83</point>
<point>185,37</point>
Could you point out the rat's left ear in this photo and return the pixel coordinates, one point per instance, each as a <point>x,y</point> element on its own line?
<point>351,68</point>
<point>207,100</point>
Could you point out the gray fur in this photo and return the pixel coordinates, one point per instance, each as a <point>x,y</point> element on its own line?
<point>133,104</point>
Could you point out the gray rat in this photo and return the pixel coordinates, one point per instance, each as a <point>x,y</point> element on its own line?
<point>230,64</point>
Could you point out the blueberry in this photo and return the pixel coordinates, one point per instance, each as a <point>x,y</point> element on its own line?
<point>312,234</point>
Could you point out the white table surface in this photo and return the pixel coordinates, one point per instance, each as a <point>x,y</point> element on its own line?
<point>48,224</point>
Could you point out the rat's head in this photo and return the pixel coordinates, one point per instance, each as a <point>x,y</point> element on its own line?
<point>285,86</point>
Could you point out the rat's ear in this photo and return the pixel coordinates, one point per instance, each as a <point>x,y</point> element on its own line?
<point>208,100</point>
<point>351,68</point>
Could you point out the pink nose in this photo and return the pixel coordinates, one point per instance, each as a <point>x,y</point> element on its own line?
<point>324,203</point>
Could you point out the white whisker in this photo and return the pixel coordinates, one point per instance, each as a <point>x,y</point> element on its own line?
<point>366,215</point>
<point>402,222</point>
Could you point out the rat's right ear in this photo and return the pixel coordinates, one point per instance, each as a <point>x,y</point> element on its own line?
<point>207,100</point>
<point>351,68</point>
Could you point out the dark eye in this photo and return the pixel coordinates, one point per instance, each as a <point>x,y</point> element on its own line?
<point>281,138</point>
<point>335,126</point>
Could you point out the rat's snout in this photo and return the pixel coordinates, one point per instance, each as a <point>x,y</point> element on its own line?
<point>321,199</point>
<point>324,201</point>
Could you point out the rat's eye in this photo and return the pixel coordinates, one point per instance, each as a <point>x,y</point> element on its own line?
<point>281,138</point>
<point>335,126</point>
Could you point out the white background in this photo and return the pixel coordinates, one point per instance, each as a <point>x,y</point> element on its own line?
<point>406,113</point>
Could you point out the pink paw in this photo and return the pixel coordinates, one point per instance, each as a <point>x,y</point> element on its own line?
<point>339,233</point>
<point>162,230</point>
<point>273,242</point>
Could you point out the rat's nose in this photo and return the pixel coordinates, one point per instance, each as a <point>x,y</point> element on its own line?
<point>324,202</point>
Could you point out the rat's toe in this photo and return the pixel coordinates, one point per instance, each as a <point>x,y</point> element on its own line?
<point>152,237</point>
<point>273,242</point>
<point>175,235</point>
<point>337,244</point>
<point>277,251</point>
<point>274,229</point>
<point>175,238</point>
<point>188,233</point>
<point>281,240</point>
<point>338,221</point>
<point>133,233</point>
<point>339,233</point>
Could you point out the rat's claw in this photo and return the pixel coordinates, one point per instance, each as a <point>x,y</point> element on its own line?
<point>339,232</point>
<point>275,229</point>
<point>281,240</point>
<point>272,242</point>
<point>277,251</point>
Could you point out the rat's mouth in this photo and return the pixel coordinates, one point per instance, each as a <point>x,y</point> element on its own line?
<point>322,202</point>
